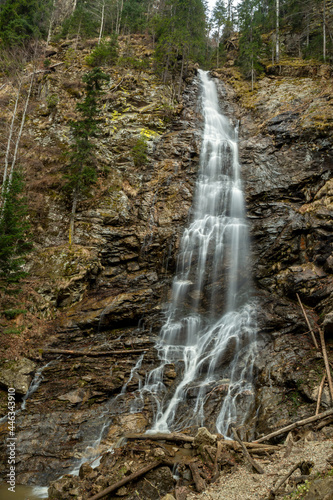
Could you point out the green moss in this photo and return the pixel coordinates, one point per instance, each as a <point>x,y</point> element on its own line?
<point>13,313</point>
<point>13,331</point>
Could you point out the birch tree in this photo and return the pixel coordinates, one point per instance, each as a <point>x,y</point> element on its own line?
<point>219,18</point>
<point>277,32</point>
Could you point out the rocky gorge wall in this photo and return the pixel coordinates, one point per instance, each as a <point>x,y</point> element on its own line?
<point>286,157</point>
<point>105,294</point>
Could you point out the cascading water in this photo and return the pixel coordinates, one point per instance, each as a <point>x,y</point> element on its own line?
<point>209,332</point>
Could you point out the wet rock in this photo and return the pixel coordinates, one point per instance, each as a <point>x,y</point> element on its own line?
<point>17,374</point>
<point>74,397</point>
<point>85,470</point>
<point>66,487</point>
<point>321,489</point>
<point>203,437</point>
<point>159,482</point>
<point>122,492</point>
<point>328,324</point>
<point>182,492</point>
<point>133,423</point>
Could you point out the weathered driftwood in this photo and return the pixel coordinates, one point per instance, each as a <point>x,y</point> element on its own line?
<point>216,462</point>
<point>254,464</point>
<point>125,480</point>
<point>327,421</point>
<point>320,392</point>
<point>327,366</point>
<point>290,427</point>
<point>161,436</point>
<point>92,353</point>
<point>308,323</point>
<point>199,482</point>
<point>305,468</point>
<point>252,447</point>
<point>184,438</point>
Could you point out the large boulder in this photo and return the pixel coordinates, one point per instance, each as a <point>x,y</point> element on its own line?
<point>17,374</point>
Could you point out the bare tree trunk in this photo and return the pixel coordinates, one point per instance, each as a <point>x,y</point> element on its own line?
<point>277,35</point>
<point>102,23</point>
<point>252,75</point>
<point>72,218</point>
<point>6,185</point>
<point>229,8</point>
<point>9,142</point>
<point>21,129</point>
<point>324,31</point>
<point>217,48</point>
<point>120,6</point>
<point>181,76</point>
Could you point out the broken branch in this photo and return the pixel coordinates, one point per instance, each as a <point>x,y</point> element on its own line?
<point>91,353</point>
<point>320,392</point>
<point>173,436</point>
<point>327,366</point>
<point>199,482</point>
<point>290,427</point>
<point>247,455</point>
<point>301,465</point>
<point>125,480</point>
<point>308,323</point>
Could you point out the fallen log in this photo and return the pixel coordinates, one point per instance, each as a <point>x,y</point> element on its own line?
<point>252,447</point>
<point>184,438</point>
<point>308,323</point>
<point>125,480</point>
<point>216,462</point>
<point>91,353</point>
<point>254,464</point>
<point>290,427</point>
<point>199,482</point>
<point>327,421</point>
<point>161,436</point>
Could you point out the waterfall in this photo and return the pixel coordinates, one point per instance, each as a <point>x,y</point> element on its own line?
<point>209,331</point>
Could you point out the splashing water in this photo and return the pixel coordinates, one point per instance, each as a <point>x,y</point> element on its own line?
<point>210,329</point>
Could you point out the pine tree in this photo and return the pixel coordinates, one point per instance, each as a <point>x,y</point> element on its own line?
<point>23,20</point>
<point>14,233</point>
<point>81,172</point>
<point>180,30</point>
<point>219,18</point>
<point>250,39</point>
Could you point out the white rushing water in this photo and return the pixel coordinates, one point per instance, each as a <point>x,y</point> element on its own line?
<point>209,331</point>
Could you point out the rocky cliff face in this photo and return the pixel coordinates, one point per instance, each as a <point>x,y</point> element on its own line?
<point>104,295</point>
<point>105,292</point>
<point>286,133</point>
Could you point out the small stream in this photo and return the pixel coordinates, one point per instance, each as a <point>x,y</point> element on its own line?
<point>23,492</point>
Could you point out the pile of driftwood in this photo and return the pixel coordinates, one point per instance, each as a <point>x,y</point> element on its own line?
<point>210,454</point>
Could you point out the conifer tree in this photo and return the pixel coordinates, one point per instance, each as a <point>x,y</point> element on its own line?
<point>81,172</point>
<point>22,20</point>
<point>14,233</point>
<point>219,19</point>
<point>250,40</point>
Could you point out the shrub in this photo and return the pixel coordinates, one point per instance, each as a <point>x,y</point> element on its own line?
<point>139,152</point>
<point>105,53</point>
<point>13,313</point>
